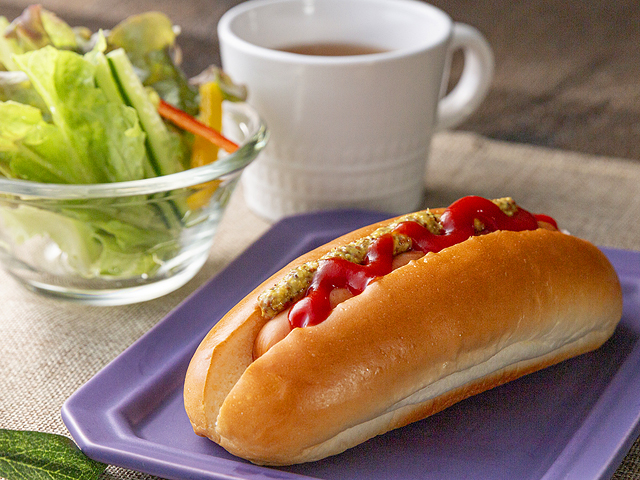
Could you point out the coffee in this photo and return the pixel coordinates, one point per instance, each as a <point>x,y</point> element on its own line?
<point>331,49</point>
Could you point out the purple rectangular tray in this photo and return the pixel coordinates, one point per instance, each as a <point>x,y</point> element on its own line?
<point>575,420</point>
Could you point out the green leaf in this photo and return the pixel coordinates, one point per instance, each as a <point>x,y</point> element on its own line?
<point>143,33</point>
<point>26,455</point>
<point>15,86</point>
<point>72,113</point>
<point>60,33</point>
<point>37,27</point>
<point>104,139</point>
<point>101,241</point>
<point>8,46</point>
<point>32,149</point>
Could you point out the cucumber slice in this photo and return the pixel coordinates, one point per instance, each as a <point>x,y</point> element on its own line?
<point>164,147</point>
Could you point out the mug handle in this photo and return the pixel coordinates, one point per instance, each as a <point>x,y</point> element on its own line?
<point>475,80</point>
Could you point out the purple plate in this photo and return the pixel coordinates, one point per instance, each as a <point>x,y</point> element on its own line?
<point>575,420</point>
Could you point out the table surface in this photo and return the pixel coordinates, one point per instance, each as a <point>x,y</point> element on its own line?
<point>559,131</point>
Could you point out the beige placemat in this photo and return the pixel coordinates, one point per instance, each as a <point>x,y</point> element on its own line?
<point>50,348</point>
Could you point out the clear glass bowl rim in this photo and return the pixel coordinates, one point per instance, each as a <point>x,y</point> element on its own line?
<point>254,141</point>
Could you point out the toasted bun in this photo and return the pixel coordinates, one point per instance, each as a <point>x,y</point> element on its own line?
<point>440,329</point>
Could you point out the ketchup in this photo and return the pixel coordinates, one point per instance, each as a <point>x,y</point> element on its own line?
<point>458,224</point>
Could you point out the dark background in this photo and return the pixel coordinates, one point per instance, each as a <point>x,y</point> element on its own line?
<point>567,72</point>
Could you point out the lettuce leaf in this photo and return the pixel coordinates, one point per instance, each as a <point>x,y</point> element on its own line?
<point>96,242</point>
<point>35,28</point>
<point>32,149</point>
<point>8,46</point>
<point>81,108</point>
<point>89,125</point>
<point>93,136</point>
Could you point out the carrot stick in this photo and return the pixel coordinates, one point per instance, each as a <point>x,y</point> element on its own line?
<point>190,124</point>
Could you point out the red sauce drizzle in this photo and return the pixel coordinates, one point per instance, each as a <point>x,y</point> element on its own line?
<point>458,226</point>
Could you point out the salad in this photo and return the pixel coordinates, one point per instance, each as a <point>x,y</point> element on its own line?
<point>82,107</point>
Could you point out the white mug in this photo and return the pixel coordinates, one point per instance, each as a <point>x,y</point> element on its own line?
<point>348,131</point>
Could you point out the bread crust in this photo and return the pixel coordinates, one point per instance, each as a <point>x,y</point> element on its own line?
<point>427,335</point>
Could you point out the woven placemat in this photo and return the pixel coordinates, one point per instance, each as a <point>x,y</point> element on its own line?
<point>50,348</point>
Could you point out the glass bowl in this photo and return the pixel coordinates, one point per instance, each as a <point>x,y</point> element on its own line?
<point>128,242</point>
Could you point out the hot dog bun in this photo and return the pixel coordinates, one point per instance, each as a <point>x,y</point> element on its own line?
<point>427,335</point>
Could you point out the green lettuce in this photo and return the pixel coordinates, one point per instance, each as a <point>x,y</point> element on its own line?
<point>85,126</point>
<point>78,115</point>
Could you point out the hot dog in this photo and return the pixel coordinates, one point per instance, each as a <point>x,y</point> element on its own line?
<point>394,322</point>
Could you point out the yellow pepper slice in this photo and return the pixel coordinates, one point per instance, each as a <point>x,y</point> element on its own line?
<point>203,151</point>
